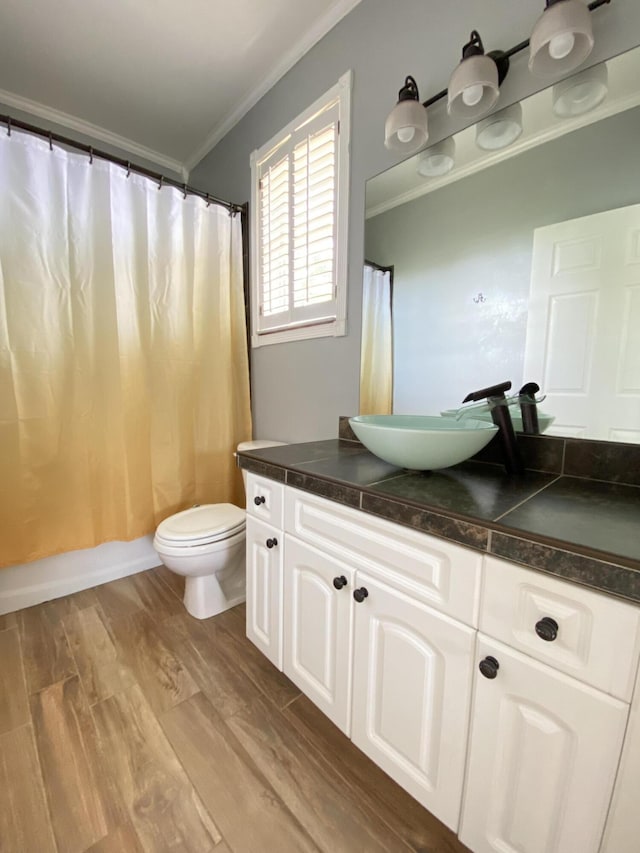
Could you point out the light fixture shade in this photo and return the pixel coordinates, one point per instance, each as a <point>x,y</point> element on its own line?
<point>437,160</point>
<point>477,74</point>
<point>500,129</point>
<point>406,129</point>
<point>562,38</point>
<point>581,93</point>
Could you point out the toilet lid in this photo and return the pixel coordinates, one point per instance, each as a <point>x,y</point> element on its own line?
<point>199,524</point>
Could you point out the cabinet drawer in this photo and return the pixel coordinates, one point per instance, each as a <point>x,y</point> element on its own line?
<point>438,573</point>
<point>597,637</point>
<point>265,499</point>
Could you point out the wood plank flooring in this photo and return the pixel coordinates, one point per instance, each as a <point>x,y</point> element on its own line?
<point>127,726</point>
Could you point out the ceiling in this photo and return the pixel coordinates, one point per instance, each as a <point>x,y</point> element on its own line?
<point>159,79</point>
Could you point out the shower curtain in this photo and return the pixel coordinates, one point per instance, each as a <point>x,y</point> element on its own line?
<point>123,362</point>
<point>376,355</point>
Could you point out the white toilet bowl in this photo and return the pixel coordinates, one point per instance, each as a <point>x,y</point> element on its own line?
<point>206,545</point>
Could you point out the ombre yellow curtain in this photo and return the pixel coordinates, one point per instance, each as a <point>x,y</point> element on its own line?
<point>123,364</point>
<point>376,351</point>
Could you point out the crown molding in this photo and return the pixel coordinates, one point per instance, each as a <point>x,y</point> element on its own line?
<point>92,130</point>
<point>321,27</point>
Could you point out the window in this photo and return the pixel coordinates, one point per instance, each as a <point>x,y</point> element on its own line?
<point>300,186</point>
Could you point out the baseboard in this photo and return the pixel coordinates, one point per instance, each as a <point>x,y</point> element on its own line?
<point>32,583</point>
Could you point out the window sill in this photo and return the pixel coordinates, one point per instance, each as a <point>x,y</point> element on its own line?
<point>335,329</point>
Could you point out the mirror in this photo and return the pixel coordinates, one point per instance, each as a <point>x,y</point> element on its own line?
<point>523,262</point>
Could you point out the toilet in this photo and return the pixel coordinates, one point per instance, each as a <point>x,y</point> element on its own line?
<point>206,545</point>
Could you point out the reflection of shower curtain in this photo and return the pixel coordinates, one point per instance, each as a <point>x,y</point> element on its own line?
<point>123,362</point>
<point>376,358</point>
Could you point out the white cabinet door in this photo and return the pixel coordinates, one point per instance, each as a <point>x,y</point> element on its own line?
<point>317,628</point>
<point>542,761</point>
<point>264,588</point>
<point>411,692</point>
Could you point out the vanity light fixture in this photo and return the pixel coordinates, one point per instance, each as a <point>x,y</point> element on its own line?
<point>560,42</point>
<point>475,84</point>
<point>500,129</point>
<point>581,93</point>
<point>406,128</point>
<point>562,38</point>
<point>438,159</point>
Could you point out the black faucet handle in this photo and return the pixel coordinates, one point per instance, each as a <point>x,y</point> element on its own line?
<point>529,389</point>
<point>528,408</point>
<point>491,391</point>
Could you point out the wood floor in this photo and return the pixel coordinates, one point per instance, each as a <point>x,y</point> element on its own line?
<point>126,725</point>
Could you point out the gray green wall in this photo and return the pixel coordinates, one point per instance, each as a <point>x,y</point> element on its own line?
<point>299,389</point>
<point>476,235</point>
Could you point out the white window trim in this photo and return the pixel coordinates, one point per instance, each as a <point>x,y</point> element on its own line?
<point>315,329</point>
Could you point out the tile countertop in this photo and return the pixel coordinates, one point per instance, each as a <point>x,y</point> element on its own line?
<point>585,531</point>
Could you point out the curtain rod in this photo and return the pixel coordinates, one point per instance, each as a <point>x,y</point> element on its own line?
<point>160,179</point>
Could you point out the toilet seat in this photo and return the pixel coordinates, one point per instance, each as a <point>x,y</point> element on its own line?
<point>201,525</point>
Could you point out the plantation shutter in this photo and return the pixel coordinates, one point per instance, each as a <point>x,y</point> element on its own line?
<point>297,227</point>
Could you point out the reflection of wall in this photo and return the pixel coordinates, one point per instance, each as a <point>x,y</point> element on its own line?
<point>476,236</point>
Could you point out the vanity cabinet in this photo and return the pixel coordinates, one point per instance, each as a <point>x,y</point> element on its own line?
<point>496,695</point>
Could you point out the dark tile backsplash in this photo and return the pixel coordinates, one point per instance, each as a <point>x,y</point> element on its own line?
<point>603,460</point>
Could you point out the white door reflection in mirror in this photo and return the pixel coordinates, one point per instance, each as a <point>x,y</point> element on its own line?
<point>584,316</point>
<point>376,357</point>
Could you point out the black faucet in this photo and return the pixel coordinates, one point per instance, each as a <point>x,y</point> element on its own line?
<point>502,419</point>
<point>527,400</point>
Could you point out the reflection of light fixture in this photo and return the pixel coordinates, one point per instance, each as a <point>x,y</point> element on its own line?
<point>474,84</point>
<point>500,129</point>
<point>562,38</point>
<point>437,160</point>
<point>582,92</point>
<point>406,127</point>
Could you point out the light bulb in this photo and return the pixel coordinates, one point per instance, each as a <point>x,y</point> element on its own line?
<point>406,134</point>
<point>472,95</point>
<point>561,45</point>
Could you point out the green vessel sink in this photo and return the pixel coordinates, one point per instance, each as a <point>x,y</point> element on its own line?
<point>422,442</point>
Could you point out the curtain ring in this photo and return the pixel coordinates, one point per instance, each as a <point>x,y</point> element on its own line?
<point>9,126</point>
<point>50,141</point>
<point>160,182</point>
<point>128,168</point>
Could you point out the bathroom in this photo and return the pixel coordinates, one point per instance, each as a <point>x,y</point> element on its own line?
<point>299,391</point>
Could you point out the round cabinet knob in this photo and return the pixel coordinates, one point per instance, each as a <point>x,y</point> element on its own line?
<point>489,667</point>
<point>259,499</point>
<point>340,582</point>
<point>360,594</point>
<point>271,543</point>
<point>547,629</point>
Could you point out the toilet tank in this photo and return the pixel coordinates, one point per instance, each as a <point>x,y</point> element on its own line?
<point>256,445</point>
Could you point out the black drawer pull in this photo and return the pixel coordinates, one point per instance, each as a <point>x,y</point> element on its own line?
<point>340,582</point>
<point>360,594</point>
<point>271,543</point>
<point>259,499</point>
<point>547,629</point>
<point>489,667</point>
